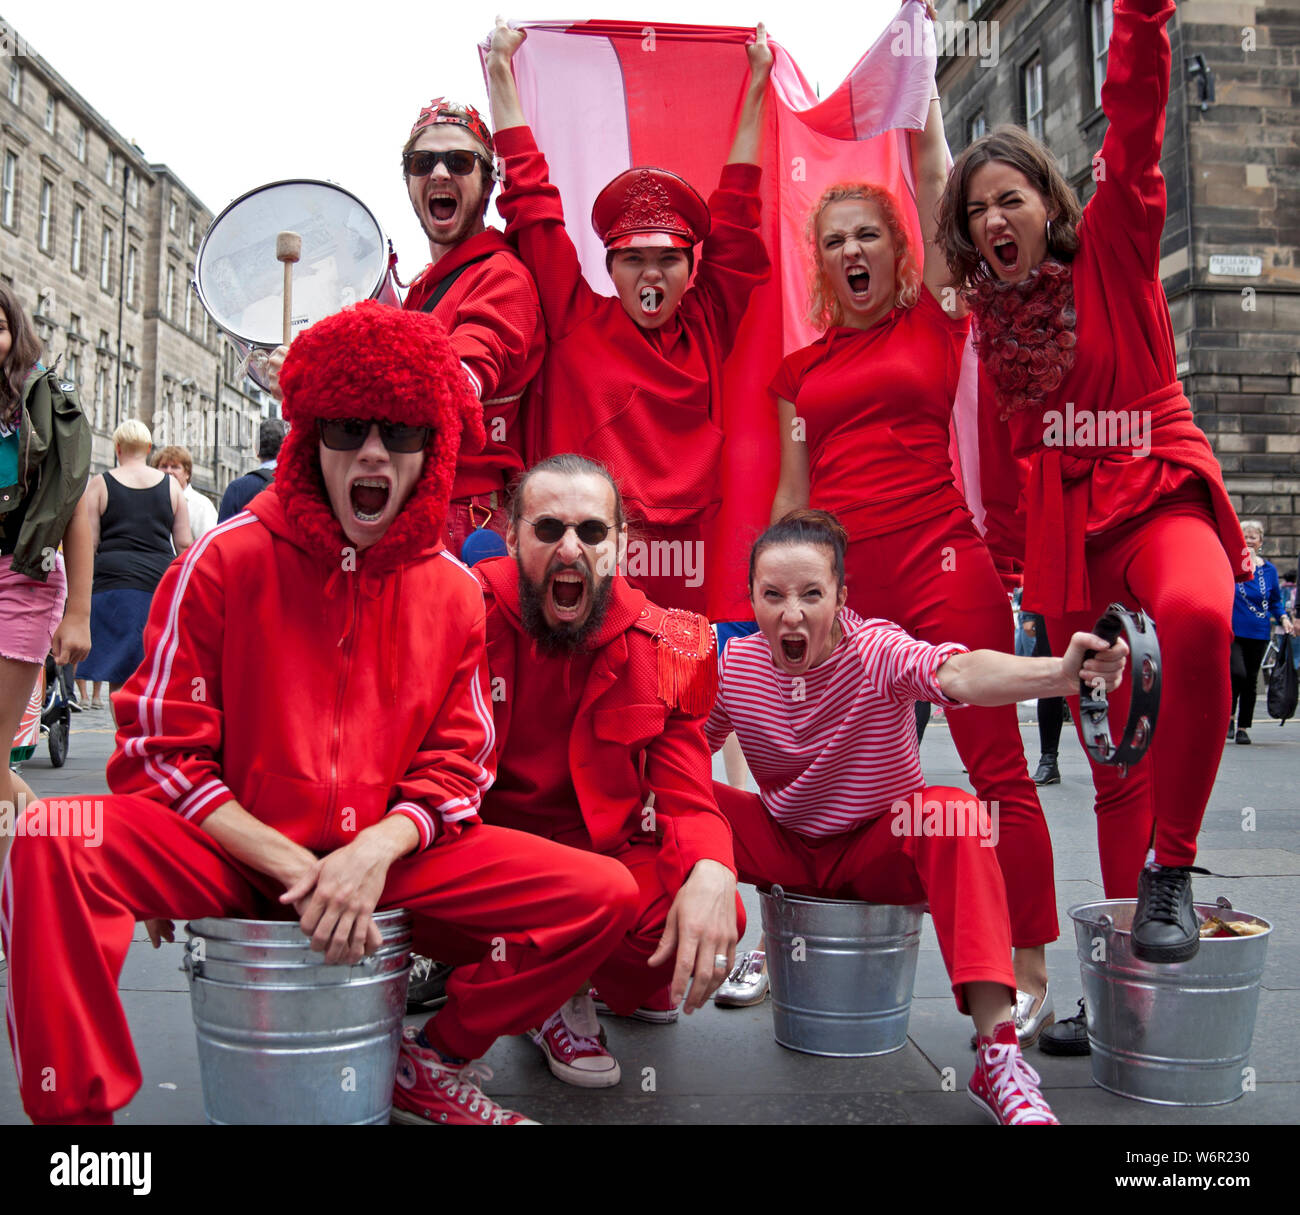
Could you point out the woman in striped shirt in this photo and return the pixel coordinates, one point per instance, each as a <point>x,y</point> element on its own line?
<point>821,701</point>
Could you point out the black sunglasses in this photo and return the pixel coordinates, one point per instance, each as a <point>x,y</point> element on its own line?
<point>459,161</point>
<point>348,434</point>
<point>589,531</point>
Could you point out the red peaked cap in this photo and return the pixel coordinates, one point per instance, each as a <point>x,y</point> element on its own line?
<point>650,207</point>
<point>375,361</point>
<point>440,111</point>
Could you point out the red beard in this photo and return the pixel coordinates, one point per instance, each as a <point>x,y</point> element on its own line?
<point>1024,334</point>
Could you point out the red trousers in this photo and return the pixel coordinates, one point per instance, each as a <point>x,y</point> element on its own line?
<point>623,979</point>
<point>69,910</point>
<point>937,580</point>
<point>1169,562</point>
<point>955,874</point>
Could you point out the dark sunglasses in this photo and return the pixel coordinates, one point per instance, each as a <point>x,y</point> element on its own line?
<point>459,161</point>
<point>348,434</point>
<point>589,531</point>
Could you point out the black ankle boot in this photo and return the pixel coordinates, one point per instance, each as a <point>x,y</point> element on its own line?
<point>1048,773</point>
<point>1165,927</point>
<point>1068,1037</point>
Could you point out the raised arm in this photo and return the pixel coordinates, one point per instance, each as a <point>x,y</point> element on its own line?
<point>747,147</point>
<point>502,94</point>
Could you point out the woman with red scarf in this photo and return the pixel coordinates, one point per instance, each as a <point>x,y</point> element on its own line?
<point>635,381</point>
<point>864,418</point>
<point>1124,500</point>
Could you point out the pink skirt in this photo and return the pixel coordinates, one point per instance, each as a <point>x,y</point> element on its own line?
<point>30,612</point>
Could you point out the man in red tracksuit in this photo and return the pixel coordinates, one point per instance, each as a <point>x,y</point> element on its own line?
<point>577,653</point>
<point>359,790</point>
<point>476,285</point>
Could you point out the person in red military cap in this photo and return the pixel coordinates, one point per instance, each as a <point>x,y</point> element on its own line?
<point>575,652</point>
<point>478,288</point>
<point>636,381</point>
<point>228,801</point>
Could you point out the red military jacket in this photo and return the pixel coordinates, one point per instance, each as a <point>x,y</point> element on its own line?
<point>639,726</point>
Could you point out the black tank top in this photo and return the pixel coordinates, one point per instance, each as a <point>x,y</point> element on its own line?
<point>135,536</point>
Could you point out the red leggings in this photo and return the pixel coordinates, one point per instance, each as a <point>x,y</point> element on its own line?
<point>68,910</point>
<point>940,584</point>
<point>955,874</point>
<point>1171,563</point>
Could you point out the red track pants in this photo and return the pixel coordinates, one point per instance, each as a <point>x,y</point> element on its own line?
<point>938,581</point>
<point>623,979</point>
<point>955,874</point>
<point>1170,563</point>
<point>68,911</point>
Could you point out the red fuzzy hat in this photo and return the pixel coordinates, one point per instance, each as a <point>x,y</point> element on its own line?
<point>650,207</point>
<point>379,362</point>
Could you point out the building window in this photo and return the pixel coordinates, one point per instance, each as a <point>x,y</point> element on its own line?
<point>194,232</point>
<point>1031,96</point>
<point>78,231</point>
<point>74,349</point>
<point>110,167</point>
<point>169,303</point>
<point>133,190</point>
<point>106,260</point>
<point>15,82</point>
<point>130,275</point>
<point>978,127</point>
<point>50,108</point>
<point>171,216</point>
<point>9,189</point>
<point>101,394</point>
<point>47,216</point>
<point>80,142</point>
<point>189,311</point>
<point>1103,20</point>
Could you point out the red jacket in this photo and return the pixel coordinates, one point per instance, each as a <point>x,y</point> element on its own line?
<point>276,678</point>
<point>495,326</point>
<point>628,739</point>
<point>647,403</point>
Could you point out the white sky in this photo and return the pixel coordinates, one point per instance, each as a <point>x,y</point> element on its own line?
<point>235,94</point>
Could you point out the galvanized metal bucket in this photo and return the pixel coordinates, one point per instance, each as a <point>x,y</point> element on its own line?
<point>841,972</point>
<point>1170,1034</point>
<point>284,1038</point>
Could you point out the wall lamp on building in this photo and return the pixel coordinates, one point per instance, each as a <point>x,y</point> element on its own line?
<point>1197,69</point>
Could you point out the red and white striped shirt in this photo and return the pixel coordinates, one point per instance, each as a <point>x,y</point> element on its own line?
<point>834,747</point>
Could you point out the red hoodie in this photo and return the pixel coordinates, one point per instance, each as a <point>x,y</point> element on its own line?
<point>628,736</point>
<point>320,698</point>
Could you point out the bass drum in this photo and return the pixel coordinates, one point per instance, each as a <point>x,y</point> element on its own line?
<point>345,258</point>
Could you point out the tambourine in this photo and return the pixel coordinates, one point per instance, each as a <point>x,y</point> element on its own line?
<point>1139,632</point>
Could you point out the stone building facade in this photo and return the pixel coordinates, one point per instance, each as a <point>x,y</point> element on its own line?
<point>1230,255</point>
<point>100,246</point>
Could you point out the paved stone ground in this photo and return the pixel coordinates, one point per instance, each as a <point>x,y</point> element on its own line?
<point>724,1066</point>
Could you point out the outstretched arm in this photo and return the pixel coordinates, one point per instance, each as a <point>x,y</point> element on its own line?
<point>502,94</point>
<point>747,147</point>
<point>990,677</point>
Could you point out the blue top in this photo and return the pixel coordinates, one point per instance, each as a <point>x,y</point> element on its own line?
<point>1256,603</point>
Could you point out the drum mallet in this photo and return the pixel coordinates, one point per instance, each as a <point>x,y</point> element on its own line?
<point>288,249</point>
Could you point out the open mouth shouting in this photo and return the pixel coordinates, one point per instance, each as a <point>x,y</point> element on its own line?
<point>1007,253</point>
<point>368,497</point>
<point>443,205</point>
<point>652,300</point>
<point>859,279</point>
<point>569,595</point>
<point>794,648</point>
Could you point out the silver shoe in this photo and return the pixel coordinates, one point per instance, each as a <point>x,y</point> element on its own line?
<point>746,984</point>
<point>1029,1027</point>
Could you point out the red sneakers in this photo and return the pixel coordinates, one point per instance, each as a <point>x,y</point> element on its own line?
<point>427,1090</point>
<point>1004,1085</point>
<point>574,1045</point>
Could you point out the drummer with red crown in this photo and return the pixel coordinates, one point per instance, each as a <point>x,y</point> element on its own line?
<point>478,288</point>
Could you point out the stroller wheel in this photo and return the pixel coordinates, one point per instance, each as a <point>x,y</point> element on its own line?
<point>58,739</point>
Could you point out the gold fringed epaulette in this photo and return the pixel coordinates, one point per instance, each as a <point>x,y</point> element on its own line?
<point>686,658</point>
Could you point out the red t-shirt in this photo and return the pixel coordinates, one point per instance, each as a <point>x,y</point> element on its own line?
<point>876,404</point>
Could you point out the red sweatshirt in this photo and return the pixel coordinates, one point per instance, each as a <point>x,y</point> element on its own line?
<point>495,326</point>
<point>646,403</point>
<point>274,678</point>
<point>614,738</point>
<point>1125,357</point>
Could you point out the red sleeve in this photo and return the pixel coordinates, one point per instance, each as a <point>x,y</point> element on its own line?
<point>718,726</point>
<point>169,742</point>
<point>785,384</point>
<point>733,260</point>
<point>442,789</point>
<point>1130,197</point>
<point>679,771</point>
<point>496,329</point>
<point>1002,482</point>
<point>534,217</point>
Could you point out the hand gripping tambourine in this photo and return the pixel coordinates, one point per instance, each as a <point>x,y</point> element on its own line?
<point>1139,633</point>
